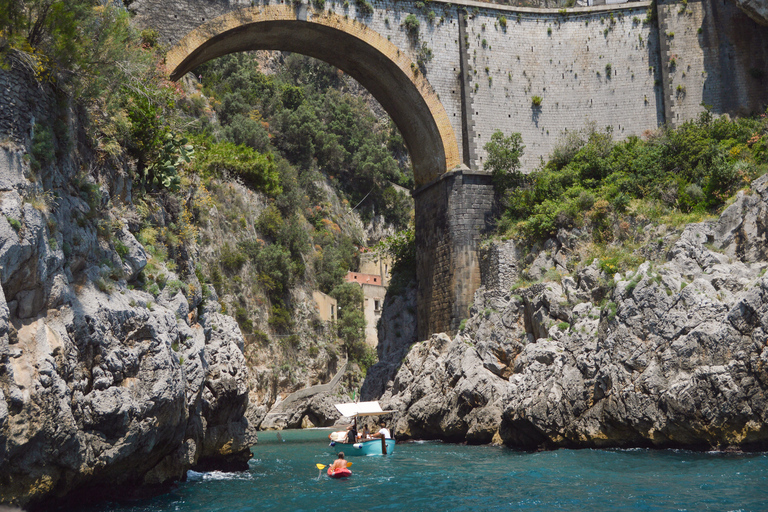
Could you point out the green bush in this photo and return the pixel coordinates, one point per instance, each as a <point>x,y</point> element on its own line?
<point>364,7</point>
<point>232,260</point>
<point>246,131</point>
<point>121,249</point>
<point>276,271</point>
<point>270,222</point>
<point>42,153</point>
<point>503,160</point>
<point>255,169</point>
<point>244,320</point>
<point>351,321</point>
<point>412,24</point>
<point>590,179</point>
<point>15,223</point>
<point>162,173</point>
<point>280,318</point>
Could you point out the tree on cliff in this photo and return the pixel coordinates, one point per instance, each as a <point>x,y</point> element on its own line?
<point>504,160</point>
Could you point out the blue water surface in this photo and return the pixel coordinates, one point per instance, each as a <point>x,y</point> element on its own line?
<point>433,476</point>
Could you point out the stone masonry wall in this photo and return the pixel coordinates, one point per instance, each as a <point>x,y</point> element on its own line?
<point>434,259</point>
<point>451,216</point>
<point>712,53</point>
<point>586,67</point>
<point>605,65</point>
<point>28,102</point>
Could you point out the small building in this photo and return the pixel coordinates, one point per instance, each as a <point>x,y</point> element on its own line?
<point>374,291</point>
<point>374,263</point>
<point>361,279</point>
<point>372,306</point>
<point>326,306</point>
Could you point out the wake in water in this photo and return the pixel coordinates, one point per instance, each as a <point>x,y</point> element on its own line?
<point>195,476</point>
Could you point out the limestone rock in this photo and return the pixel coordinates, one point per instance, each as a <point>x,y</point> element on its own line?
<point>755,9</point>
<point>103,388</point>
<point>135,258</point>
<point>672,354</point>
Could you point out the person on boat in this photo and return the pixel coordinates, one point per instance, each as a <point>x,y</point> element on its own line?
<point>339,463</point>
<point>365,434</point>
<point>352,433</point>
<point>383,432</point>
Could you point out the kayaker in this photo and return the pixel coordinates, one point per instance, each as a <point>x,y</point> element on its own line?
<point>339,463</point>
<point>383,432</point>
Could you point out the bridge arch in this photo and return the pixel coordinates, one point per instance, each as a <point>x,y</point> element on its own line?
<point>377,64</point>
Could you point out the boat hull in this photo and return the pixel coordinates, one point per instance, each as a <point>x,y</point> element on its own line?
<point>339,473</point>
<point>372,447</point>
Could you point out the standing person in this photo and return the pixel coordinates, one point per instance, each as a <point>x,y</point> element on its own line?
<point>352,433</point>
<point>383,432</point>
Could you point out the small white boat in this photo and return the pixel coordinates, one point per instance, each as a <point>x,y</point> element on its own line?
<point>376,446</point>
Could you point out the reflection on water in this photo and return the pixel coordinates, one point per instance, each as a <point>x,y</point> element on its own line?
<point>433,476</point>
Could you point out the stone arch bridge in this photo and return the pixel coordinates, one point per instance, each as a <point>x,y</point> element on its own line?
<point>467,69</point>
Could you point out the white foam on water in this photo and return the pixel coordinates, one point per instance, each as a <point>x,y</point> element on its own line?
<point>195,476</point>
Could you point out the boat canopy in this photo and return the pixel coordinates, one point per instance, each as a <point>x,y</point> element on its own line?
<point>354,409</point>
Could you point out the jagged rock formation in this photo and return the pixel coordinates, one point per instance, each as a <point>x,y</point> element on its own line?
<point>755,9</point>
<point>397,331</point>
<point>103,388</point>
<point>671,355</point>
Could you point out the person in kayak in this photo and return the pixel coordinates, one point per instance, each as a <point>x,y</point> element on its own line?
<point>339,463</point>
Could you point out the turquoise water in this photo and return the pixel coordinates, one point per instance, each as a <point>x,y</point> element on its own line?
<point>434,476</point>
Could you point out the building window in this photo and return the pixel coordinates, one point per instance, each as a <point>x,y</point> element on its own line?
<point>376,305</point>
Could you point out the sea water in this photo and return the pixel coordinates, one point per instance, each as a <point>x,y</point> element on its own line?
<point>434,476</point>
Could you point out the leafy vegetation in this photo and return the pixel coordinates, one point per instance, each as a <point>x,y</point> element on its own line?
<point>593,181</point>
<point>412,24</point>
<point>315,127</point>
<point>188,147</point>
<point>504,160</point>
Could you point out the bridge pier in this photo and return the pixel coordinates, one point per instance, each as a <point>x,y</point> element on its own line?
<point>452,212</point>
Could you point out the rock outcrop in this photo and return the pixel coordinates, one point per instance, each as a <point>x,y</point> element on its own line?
<point>104,388</point>
<point>396,334</point>
<point>755,9</point>
<point>673,354</point>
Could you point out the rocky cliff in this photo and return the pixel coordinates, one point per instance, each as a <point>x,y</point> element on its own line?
<point>104,388</point>
<point>672,354</point>
<point>755,9</point>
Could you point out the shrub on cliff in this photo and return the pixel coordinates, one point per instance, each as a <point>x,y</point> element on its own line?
<point>593,180</point>
<point>504,160</point>
<point>257,170</point>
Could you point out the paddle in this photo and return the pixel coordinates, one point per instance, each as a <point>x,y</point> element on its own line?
<point>322,466</point>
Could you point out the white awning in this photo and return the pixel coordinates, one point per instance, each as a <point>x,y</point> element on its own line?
<point>360,409</point>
